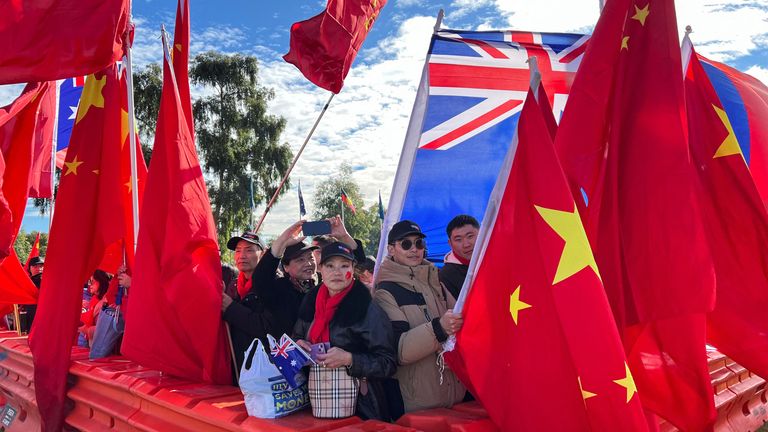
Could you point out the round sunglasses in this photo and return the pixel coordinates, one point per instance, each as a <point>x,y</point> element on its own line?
<point>419,243</point>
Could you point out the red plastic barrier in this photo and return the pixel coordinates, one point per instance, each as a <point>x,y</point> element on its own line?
<point>445,420</point>
<point>302,421</point>
<point>375,426</point>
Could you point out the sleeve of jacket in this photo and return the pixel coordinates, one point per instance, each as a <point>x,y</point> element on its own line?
<point>414,343</point>
<point>379,359</point>
<point>301,328</point>
<point>255,323</point>
<point>359,252</point>
<point>264,276</point>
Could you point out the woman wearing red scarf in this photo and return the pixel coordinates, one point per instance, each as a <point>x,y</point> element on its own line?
<point>341,312</point>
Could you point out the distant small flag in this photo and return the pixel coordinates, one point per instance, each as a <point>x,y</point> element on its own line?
<point>35,252</point>
<point>289,359</point>
<point>253,203</point>
<point>381,208</point>
<point>345,199</point>
<point>302,209</point>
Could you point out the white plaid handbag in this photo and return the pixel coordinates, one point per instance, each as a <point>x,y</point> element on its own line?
<point>332,392</point>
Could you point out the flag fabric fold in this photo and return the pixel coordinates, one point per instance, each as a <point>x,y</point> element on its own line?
<point>177,285</point>
<point>536,316</point>
<point>736,225</point>
<point>324,46</point>
<point>80,37</point>
<point>180,57</point>
<point>40,176</point>
<point>88,219</point>
<point>623,144</point>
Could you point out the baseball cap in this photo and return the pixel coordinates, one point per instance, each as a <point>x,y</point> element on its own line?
<point>249,236</point>
<point>336,249</point>
<point>295,250</point>
<point>402,229</point>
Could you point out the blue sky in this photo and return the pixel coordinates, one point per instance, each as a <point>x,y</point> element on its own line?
<point>366,123</point>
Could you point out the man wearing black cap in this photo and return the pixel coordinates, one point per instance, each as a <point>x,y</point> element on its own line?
<point>242,308</point>
<point>409,291</point>
<point>28,311</point>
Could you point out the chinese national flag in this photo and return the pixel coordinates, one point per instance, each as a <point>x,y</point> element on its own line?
<point>88,218</point>
<point>536,319</point>
<point>623,143</point>
<point>49,40</point>
<point>177,284</point>
<point>324,46</point>
<point>737,226</point>
<point>40,178</point>
<point>34,252</point>
<point>180,59</point>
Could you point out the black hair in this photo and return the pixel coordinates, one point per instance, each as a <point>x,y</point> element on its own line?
<point>323,240</point>
<point>103,279</point>
<point>368,264</point>
<point>459,221</point>
<point>229,273</point>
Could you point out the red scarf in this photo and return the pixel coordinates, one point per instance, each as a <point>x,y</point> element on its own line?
<point>325,308</point>
<point>243,285</point>
<point>461,259</point>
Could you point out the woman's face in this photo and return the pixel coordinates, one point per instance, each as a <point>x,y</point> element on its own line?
<point>337,273</point>
<point>93,286</point>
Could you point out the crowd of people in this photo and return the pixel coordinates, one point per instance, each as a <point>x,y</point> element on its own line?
<point>387,332</point>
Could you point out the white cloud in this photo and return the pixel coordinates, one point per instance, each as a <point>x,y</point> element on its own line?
<point>759,72</point>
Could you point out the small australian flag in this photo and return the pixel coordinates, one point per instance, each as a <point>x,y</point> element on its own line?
<point>289,359</point>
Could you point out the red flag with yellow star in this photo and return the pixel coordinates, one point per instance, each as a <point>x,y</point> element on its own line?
<point>178,271</point>
<point>536,319</point>
<point>623,144</point>
<point>88,218</point>
<point>736,224</point>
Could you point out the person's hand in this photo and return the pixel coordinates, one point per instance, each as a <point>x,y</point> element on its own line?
<point>225,301</point>
<point>124,279</point>
<point>306,346</point>
<point>451,322</point>
<point>290,236</point>
<point>335,358</point>
<point>339,231</point>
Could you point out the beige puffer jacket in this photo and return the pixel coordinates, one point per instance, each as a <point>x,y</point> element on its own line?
<point>411,305</point>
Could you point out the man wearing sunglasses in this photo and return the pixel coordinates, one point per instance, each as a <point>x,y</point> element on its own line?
<point>409,291</point>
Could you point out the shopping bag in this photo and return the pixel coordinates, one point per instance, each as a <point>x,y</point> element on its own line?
<point>266,392</point>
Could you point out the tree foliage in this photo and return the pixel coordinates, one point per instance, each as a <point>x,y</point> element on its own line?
<point>147,87</point>
<point>24,242</point>
<point>365,225</point>
<point>237,137</point>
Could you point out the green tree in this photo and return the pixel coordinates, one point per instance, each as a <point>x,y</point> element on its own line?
<point>237,137</point>
<point>365,225</point>
<point>147,87</point>
<point>24,242</point>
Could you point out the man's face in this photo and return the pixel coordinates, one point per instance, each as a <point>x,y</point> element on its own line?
<point>301,267</point>
<point>462,241</point>
<point>36,269</point>
<point>411,255</point>
<point>247,255</point>
<point>317,251</point>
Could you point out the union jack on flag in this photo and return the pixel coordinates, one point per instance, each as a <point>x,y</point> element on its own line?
<point>289,358</point>
<point>472,90</point>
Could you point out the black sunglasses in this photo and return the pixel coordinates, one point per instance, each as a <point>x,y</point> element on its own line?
<point>419,243</point>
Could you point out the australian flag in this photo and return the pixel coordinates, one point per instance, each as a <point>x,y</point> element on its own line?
<point>70,91</point>
<point>464,118</point>
<point>289,359</point>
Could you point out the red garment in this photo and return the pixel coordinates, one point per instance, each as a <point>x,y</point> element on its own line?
<point>623,144</point>
<point>324,46</point>
<point>88,318</point>
<point>243,285</point>
<point>325,308</point>
<point>88,218</point>
<point>460,258</point>
<point>49,40</point>
<point>545,322</point>
<point>178,271</point>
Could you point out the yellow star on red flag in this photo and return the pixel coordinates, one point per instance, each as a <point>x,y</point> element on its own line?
<point>515,305</point>
<point>71,166</point>
<point>577,254</point>
<point>91,96</point>
<point>628,383</point>
<point>625,43</point>
<point>585,394</point>
<point>641,14</point>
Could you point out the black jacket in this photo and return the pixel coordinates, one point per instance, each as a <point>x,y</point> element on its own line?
<point>452,275</point>
<point>281,297</point>
<point>360,327</point>
<point>248,319</point>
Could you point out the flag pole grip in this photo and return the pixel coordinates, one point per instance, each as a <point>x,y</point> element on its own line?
<point>293,164</point>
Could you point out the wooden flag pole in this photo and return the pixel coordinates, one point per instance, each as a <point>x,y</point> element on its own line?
<point>17,318</point>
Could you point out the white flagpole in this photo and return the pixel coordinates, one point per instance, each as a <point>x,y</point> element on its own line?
<point>54,145</point>
<point>132,140</point>
<point>341,204</point>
